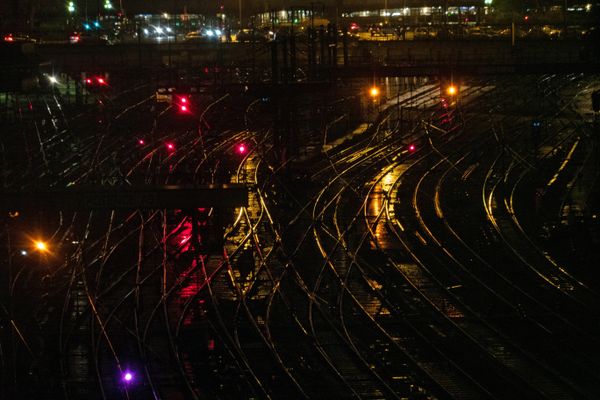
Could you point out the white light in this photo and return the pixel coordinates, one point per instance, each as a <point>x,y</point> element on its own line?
<point>218,32</point>
<point>52,79</point>
<point>165,15</point>
<point>209,32</point>
<point>158,30</point>
<point>146,31</point>
<point>168,29</point>
<point>23,252</point>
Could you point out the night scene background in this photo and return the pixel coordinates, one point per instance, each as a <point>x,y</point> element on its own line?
<point>287,199</point>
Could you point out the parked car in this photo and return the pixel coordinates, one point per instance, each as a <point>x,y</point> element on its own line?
<point>87,38</point>
<point>425,33</point>
<point>18,38</point>
<point>249,35</point>
<point>159,34</point>
<point>205,35</point>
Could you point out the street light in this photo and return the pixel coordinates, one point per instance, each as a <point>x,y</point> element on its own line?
<point>451,90</point>
<point>374,91</point>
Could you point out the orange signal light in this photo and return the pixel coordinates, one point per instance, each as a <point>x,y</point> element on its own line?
<point>41,246</point>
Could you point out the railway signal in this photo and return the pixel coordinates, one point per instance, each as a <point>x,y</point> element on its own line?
<point>449,94</point>
<point>183,103</point>
<point>241,148</point>
<point>127,377</point>
<point>452,90</point>
<point>374,92</point>
<point>536,132</point>
<point>41,246</point>
<point>96,81</point>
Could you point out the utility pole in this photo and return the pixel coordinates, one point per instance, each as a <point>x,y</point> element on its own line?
<point>385,12</point>
<point>565,17</point>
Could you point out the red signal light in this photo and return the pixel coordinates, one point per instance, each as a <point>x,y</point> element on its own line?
<point>88,81</point>
<point>183,102</point>
<point>141,141</point>
<point>101,80</point>
<point>170,146</point>
<point>411,148</point>
<point>241,148</point>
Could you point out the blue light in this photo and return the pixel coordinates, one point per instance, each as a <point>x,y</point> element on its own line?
<point>96,24</point>
<point>87,27</point>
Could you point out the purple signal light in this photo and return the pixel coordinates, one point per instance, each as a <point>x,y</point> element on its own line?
<point>127,377</point>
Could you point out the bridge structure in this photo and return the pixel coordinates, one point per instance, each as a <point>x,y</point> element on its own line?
<point>126,198</point>
<point>337,57</point>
